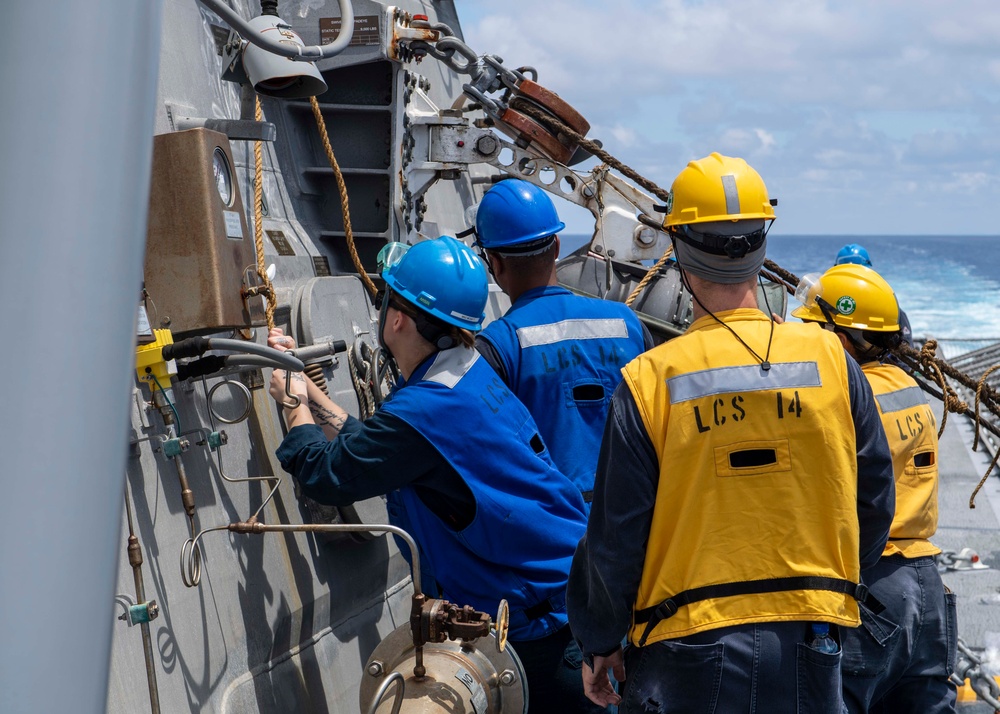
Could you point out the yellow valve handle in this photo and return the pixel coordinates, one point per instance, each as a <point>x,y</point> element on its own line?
<point>501,624</point>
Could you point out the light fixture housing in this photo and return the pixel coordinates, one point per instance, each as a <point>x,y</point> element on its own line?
<point>270,74</point>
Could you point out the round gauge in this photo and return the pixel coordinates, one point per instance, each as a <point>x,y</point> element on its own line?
<point>223,176</point>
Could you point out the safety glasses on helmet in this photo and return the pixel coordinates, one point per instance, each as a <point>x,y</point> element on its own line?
<point>390,254</point>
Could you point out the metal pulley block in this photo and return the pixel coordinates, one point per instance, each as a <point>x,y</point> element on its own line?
<point>526,131</point>
<point>487,76</point>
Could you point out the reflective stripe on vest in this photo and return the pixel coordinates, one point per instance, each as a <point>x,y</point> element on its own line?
<point>538,335</point>
<point>750,378</point>
<point>900,399</point>
<point>562,355</point>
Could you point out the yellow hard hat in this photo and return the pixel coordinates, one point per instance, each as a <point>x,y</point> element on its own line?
<point>852,295</point>
<point>717,188</point>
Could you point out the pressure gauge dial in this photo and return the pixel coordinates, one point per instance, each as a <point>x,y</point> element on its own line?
<point>223,176</point>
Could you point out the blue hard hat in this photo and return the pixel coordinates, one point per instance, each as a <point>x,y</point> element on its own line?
<point>515,212</point>
<point>443,278</point>
<point>853,253</point>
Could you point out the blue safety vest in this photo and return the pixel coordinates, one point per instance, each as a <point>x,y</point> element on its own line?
<point>563,355</point>
<point>529,517</point>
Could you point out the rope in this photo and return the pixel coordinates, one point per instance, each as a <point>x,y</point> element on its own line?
<point>992,398</point>
<point>979,392</point>
<point>342,188</point>
<point>975,441</point>
<point>928,364</point>
<point>366,400</point>
<point>790,280</point>
<point>553,124</point>
<point>982,481</point>
<point>649,275</point>
<point>926,358</point>
<point>265,288</point>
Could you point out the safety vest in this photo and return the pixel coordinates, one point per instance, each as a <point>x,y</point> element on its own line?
<point>755,517</point>
<point>911,430</point>
<point>563,355</point>
<point>529,517</point>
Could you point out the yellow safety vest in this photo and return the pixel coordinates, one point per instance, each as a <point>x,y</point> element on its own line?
<point>758,475</point>
<point>911,430</point>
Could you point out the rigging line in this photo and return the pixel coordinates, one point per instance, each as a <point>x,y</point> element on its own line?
<point>991,398</point>
<point>979,394</point>
<point>525,106</point>
<point>649,275</point>
<point>342,188</point>
<point>258,220</point>
<point>925,357</point>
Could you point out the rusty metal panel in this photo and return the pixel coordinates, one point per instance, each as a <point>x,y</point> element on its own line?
<point>198,245</point>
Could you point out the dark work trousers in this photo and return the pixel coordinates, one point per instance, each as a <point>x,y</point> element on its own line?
<point>555,682</point>
<point>763,668</point>
<point>900,661</point>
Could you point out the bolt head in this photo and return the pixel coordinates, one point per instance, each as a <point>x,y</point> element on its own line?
<point>486,145</point>
<point>507,677</point>
<point>646,237</point>
<point>375,669</point>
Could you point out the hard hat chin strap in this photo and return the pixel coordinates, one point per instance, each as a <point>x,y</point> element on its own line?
<point>435,332</point>
<point>733,246</point>
<point>440,335</point>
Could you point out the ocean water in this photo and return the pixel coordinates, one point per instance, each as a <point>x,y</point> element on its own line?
<point>949,286</point>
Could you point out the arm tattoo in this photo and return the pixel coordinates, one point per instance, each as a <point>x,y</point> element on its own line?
<point>325,417</point>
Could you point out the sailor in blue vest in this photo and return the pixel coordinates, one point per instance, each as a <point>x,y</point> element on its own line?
<point>560,353</point>
<point>461,458</point>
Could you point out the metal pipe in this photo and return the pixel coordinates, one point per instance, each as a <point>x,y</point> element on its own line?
<point>187,495</point>
<point>299,53</point>
<point>248,527</point>
<point>397,702</point>
<point>135,560</point>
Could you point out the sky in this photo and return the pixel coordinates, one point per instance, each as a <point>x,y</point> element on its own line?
<point>862,116</point>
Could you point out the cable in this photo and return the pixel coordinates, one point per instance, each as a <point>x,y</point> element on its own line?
<point>765,363</point>
<point>169,403</point>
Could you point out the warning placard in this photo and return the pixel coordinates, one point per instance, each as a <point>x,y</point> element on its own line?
<point>365,30</point>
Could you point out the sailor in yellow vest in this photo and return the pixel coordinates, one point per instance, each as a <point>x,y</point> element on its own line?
<point>886,669</point>
<point>743,482</point>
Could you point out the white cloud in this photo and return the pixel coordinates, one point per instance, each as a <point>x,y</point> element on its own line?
<point>862,99</point>
<point>624,135</point>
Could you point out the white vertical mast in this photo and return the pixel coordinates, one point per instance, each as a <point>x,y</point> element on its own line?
<point>79,88</point>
